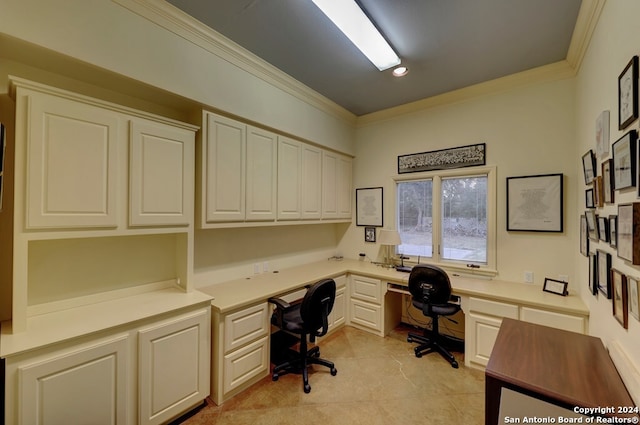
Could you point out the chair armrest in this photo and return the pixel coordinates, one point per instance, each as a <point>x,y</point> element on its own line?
<point>280,303</point>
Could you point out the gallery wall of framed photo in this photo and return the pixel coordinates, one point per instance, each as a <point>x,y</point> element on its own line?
<point>610,223</point>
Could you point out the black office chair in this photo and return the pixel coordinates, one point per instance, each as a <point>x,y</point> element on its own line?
<point>309,318</point>
<point>431,292</point>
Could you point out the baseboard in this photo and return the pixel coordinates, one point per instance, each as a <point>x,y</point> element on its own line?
<point>627,370</point>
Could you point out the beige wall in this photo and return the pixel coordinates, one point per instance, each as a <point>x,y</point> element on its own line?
<point>613,44</point>
<point>528,130</point>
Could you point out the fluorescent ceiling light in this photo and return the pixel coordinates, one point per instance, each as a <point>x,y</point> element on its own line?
<point>352,21</point>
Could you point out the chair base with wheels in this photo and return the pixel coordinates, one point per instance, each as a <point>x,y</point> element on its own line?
<point>299,362</point>
<point>307,320</point>
<point>430,342</point>
<point>430,290</point>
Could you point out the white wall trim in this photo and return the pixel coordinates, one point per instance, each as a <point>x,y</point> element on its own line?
<point>176,21</point>
<point>627,370</point>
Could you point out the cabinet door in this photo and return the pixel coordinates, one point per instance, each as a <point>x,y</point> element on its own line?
<point>338,314</point>
<point>289,179</point>
<point>174,367</point>
<point>367,315</point>
<point>72,163</point>
<point>246,364</point>
<point>311,182</point>
<point>553,319</point>
<point>329,194</point>
<point>481,332</point>
<point>83,386</point>
<point>344,182</point>
<point>223,169</point>
<point>262,173</point>
<point>161,174</point>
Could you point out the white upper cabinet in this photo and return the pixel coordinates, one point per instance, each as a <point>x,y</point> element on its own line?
<point>72,165</point>
<point>238,172</point>
<point>161,174</point>
<point>289,179</point>
<point>223,163</point>
<point>249,176</point>
<point>90,163</point>
<point>336,186</point>
<point>262,174</point>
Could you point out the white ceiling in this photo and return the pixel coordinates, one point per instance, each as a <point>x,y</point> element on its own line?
<point>447,44</point>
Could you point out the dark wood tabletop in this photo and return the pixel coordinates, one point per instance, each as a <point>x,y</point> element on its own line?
<point>561,367</point>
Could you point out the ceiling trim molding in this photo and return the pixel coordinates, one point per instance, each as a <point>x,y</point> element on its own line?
<point>586,23</point>
<point>552,72</point>
<point>185,26</point>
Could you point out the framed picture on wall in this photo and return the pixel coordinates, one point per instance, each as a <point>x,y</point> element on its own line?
<point>604,272</point>
<point>369,207</point>
<point>589,166</point>
<point>634,302</point>
<point>588,198</point>
<point>593,274</point>
<point>369,234</point>
<point>603,228</point>
<point>613,230</point>
<point>608,193</point>
<point>628,94</point>
<point>624,161</point>
<point>584,236</point>
<point>628,230</point>
<point>602,134</point>
<point>534,203</point>
<point>592,224</point>
<point>620,301</point>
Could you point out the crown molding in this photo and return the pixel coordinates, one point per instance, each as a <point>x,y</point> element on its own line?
<point>555,71</point>
<point>183,25</point>
<point>586,23</point>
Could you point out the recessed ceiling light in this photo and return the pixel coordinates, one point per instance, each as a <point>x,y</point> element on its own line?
<point>351,20</point>
<point>400,71</point>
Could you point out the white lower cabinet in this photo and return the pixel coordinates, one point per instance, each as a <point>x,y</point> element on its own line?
<point>96,380</point>
<point>483,319</point>
<point>173,371</point>
<point>365,304</point>
<point>240,350</point>
<point>338,315</point>
<point>86,384</point>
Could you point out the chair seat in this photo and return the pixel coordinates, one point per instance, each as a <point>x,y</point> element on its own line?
<point>292,320</point>
<point>439,309</point>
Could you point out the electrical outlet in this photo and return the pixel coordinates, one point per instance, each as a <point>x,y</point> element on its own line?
<point>528,277</point>
<point>256,268</point>
<point>265,266</point>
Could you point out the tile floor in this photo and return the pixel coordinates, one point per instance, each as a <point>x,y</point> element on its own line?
<point>379,381</point>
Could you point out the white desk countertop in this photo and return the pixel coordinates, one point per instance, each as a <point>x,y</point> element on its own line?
<point>235,294</point>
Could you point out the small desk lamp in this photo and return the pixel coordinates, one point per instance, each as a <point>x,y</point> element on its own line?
<point>389,238</point>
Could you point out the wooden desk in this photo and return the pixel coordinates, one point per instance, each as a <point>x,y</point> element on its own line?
<point>563,368</point>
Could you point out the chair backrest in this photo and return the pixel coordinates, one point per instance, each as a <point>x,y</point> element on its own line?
<point>431,277</point>
<point>316,306</point>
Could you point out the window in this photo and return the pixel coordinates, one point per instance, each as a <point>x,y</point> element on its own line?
<point>448,218</point>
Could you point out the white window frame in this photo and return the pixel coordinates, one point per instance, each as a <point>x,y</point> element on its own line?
<point>489,269</point>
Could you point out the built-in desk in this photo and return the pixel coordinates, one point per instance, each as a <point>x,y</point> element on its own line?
<point>562,368</point>
<point>372,300</point>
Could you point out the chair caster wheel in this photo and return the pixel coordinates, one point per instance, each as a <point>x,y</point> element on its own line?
<point>334,371</point>
<point>307,388</point>
<point>409,339</point>
<point>454,365</point>
<point>274,377</point>
<point>418,354</point>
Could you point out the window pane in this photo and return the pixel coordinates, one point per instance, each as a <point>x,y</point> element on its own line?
<point>464,219</point>
<point>415,218</point>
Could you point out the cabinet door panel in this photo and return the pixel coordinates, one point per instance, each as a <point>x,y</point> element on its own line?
<point>311,182</point>
<point>83,386</point>
<point>484,331</point>
<point>161,174</point>
<point>72,164</point>
<point>366,314</point>
<point>174,367</point>
<point>243,365</point>
<point>224,153</point>
<point>343,190</point>
<point>553,319</point>
<point>262,173</point>
<point>289,179</point>
<point>329,194</point>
